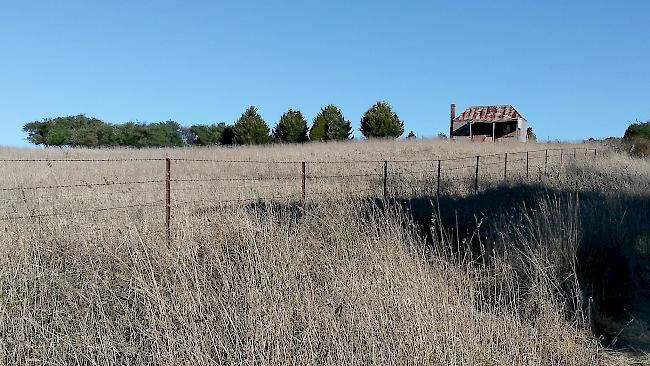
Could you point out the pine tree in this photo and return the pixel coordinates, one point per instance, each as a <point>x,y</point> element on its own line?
<point>251,129</point>
<point>318,131</point>
<point>337,127</point>
<point>329,124</point>
<point>291,128</point>
<point>380,121</point>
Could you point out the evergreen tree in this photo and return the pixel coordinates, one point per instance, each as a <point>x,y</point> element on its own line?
<point>318,131</point>
<point>381,121</point>
<point>337,127</point>
<point>251,129</point>
<point>291,128</point>
<point>36,132</point>
<point>228,136</point>
<point>329,124</point>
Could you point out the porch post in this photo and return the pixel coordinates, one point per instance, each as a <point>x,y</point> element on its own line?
<point>493,129</point>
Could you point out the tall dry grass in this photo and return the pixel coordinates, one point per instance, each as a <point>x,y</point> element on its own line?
<point>343,279</point>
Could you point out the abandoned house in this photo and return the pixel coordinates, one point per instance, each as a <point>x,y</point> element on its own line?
<point>488,123</point>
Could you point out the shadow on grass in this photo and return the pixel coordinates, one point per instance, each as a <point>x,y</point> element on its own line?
<point>613,255</point>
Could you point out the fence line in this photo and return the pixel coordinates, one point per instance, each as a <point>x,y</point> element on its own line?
<point>80,185</point>
<point>68,213</point>
<point>478,164</point>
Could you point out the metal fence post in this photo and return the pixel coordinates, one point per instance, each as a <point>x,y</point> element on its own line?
<point>385,179</point>
<point>574,153</point>
<point>168,198</point>
<point>302,187</point>
<point>595,152</point>
<point>505,167</point>
<point>476,175</point>
<point>438,180</point>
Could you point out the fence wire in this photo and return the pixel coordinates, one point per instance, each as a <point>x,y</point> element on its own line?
<point>430,174</point>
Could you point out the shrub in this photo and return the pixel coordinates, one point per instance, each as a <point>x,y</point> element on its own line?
<point>82,131</point>
<point>531,135</point>
<point>291,128</point>
<point>228,136</point>
<point>381,121</point>
<point>251,129</point>
<point>638,129</point>
<point>207,135</point>
<point>637,138</point>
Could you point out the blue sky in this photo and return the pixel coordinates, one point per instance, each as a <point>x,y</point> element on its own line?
<point>574,69</point>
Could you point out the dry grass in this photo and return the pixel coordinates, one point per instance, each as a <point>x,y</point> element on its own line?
<point>344,280</point>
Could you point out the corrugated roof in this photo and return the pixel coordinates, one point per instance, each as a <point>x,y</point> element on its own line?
<point>489,113</point>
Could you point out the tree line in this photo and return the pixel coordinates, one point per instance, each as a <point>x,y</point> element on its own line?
<point>250,129</point>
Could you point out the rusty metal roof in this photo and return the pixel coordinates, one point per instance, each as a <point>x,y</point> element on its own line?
<point>489,114</point>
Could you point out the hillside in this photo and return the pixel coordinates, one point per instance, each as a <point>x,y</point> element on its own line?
<point>538,257</point>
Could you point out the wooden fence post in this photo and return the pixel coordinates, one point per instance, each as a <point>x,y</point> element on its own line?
<point>385,179</point>
<point>168,198</point>
<point>476,175</point>
<point>302,186</point>
<point>438,180</point>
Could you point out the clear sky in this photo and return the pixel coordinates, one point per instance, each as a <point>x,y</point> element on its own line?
<point>574,69</point>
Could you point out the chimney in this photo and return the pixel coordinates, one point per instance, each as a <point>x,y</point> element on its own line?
<point>451,121</point>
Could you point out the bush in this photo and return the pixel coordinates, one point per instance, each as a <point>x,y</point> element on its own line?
<point>228,136</point>
<point>251,129</point>
<point>82,131</point>
<point>206,135</point>
<point>530,135</point>
<point>291,128</point>
<point>637,139</point>
<point>381,121</point>
<point>638,129</point>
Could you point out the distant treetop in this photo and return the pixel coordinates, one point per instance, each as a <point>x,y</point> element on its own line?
<point>381,121</point>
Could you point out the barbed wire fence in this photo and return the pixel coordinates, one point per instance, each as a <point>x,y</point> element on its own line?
<point>384,179</point>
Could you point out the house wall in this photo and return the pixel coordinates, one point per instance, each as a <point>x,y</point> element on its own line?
<point>522,125</point>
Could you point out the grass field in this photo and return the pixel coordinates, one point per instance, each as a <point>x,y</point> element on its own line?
<point>549,269</point>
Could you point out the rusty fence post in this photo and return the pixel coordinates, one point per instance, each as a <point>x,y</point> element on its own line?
<point>476,175</point>
<point>385,179</point>
<point>438,180</point>
<point>595,152</point>
<point>574,153</point>
<point>505,167</point>
<point>168,198</point>
<point>303,179</point>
